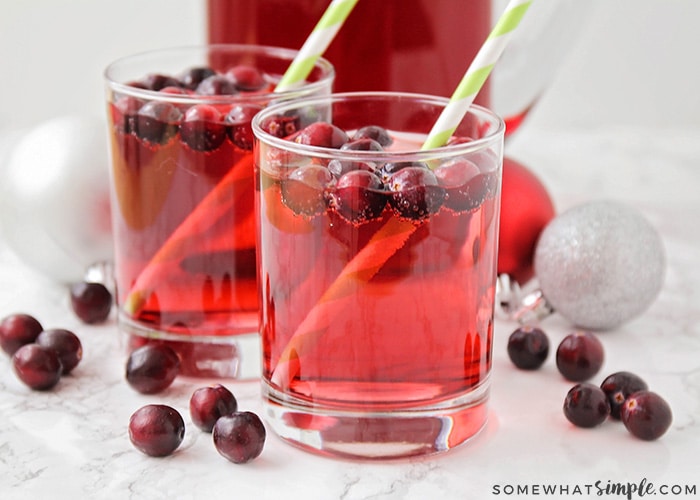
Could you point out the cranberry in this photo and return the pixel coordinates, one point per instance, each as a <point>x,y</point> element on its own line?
<point>304,191</point>
<point>157,121</point>
<point>37,366</point>
<point>466,186</point>
<point>239,129</point>
<point>374,132</point>
<point>415,193</point>
<point>646,415</point>
<point>586,405</point>
<point>579,356</point>
<point>66,344</point>
<point>281,126</point>
<point>364,144</point>
<point>202,128</point>
<point>124,113</point>
<point>194,76</point>
<point>239,437</point>
<point>152,368</point>
<point>158,82</point>
<point>91,302</point>
<point>618,386</point>
<point>208,404</point>
<point>17,330</point>
<point>246,77</point>
<point>217,85</point>
<point>358,196</point>
<point>388,169</point>
<point>322,134</point>
<point>156,430</point>
<point>340,167</point>
<point>528,347</point>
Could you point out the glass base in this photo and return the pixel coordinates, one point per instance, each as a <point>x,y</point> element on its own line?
<point>234,356</point>
<point>376,435</point>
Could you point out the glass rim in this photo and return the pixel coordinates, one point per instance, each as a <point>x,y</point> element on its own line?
<point>283,53</point>
<point>496,129</point>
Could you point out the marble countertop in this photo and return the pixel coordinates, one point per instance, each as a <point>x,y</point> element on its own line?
<point>72,442</point>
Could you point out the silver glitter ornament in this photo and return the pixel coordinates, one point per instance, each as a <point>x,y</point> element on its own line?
<point>600,264</point>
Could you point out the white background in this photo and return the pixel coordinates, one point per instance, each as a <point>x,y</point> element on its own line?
<point>635,62</point>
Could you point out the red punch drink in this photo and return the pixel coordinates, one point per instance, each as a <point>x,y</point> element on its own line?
<point>183,197</point>
<point>377,267</point>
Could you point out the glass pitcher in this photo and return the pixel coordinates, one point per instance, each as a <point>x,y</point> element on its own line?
<point>415,45</point>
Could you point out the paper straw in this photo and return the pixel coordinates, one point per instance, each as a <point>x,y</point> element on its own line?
<point>316,44</point>
<point>476,75</point>
<point>394,234</point>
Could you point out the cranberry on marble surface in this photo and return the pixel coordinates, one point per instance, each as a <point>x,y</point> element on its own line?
<point>239,437</point>
<point>91,302</point>
<point>156,430</point>
<point>646,415</point>
<point>208,404</point>
<point>528,347</point>
<point>586,405</point>
<point>37,366</point>
<point>66,344</point>
<point>579,356</point>
<point>618,387</point>
<point>17,330</point>
<point>152,368</point>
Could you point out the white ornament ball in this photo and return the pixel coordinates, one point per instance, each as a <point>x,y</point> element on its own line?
<point>54,201</point>
<point>600,264</point>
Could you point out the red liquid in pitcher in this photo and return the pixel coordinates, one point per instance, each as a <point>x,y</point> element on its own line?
<point>402,45</point>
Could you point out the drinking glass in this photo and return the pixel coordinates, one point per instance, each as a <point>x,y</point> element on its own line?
<point>378,272</point>
<point>183,197</point>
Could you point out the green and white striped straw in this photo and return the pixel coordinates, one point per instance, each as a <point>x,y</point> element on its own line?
<point>316,44</point>
<point>476,75</point>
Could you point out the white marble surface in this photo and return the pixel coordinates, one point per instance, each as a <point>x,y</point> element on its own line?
<point>72,442</point>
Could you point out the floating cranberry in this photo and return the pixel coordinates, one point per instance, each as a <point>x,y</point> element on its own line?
<point>247,78</point>
<point>341,167</point>
<point>66,344</point>
<point>388,169</point>
<point>157,122</point>
<point>374,132</point>
<point>202,128</point>
<point>586,405</point>
<point>281,126</point>
<point>304,191</point>
<point>91,302</point>
<point>239,437</point>
<point>646,415</point>
<point>152,368</point>
<point>156,430</point>
<point>528,347</point>
<point>238,122</point>
<point>194,76</point>
<point>157,81</point>
<point>579,356</point>
<point>208,404</point>
<point>618,387</point>
<point>364,144</point>
<point>17,330</point>
<point>217,85</point>
<point>124,113</point>
<point>322,134</point>
<point>37,366</point>
<point>466,186</point>
<point>415,193</point>
<point>358,196</point>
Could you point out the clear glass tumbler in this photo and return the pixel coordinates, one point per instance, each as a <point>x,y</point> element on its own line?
<point>378,271</point>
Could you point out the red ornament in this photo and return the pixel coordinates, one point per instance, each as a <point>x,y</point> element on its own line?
<point>526,208</point>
